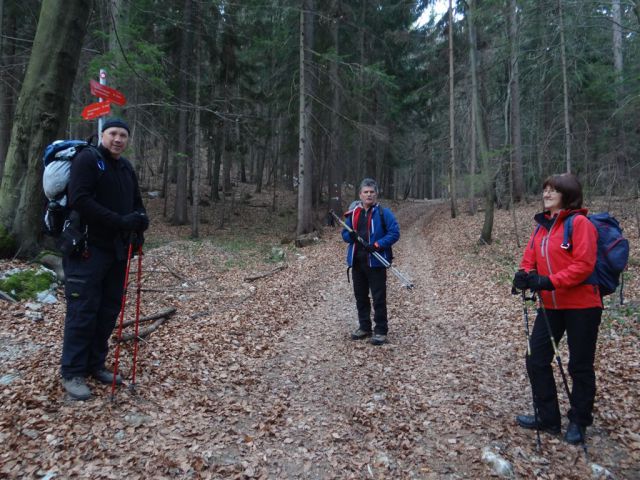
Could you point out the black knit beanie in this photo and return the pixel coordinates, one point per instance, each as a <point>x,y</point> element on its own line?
<point>115,122</point>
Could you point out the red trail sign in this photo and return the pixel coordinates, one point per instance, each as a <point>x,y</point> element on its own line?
<point>96,110</point>
<point>107,93</point>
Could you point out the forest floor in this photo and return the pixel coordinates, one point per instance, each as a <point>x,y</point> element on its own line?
<point>259,379</point>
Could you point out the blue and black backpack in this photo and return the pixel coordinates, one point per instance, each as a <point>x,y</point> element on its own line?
<point>57,160</point>
<point>613,252</point>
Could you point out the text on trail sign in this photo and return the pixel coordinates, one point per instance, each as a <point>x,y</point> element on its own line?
<point>96,110</point>
<point>107,93</point>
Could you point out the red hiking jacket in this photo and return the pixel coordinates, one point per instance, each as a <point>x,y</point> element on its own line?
<point>566,268</point>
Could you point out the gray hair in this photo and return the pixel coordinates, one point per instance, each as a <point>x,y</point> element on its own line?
<point>368,182</point>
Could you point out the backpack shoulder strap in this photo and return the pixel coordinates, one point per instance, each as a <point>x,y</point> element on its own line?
<point>535,232</point>
<point>568,231</point>
<point>384,224</point>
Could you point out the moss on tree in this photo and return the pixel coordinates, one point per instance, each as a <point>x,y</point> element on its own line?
<point>7,243</point>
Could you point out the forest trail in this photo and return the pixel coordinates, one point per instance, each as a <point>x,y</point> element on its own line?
<point>261,380</point>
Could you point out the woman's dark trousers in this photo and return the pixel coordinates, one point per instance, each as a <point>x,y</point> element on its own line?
<point>581,326</point>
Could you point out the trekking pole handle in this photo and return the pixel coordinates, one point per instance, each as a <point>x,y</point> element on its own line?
<point>347,227</point>
<point>404,280</point>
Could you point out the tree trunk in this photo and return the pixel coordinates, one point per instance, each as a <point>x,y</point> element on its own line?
<point>360,144</point>
<point>217,160</point>
<point>305,166</point>
<point>335,166</point>
<point>7,84</point>
<point>195,203</point>
<point>618,65</point>
<point>565,90</point>
<point>452,129</point>
<point>517,183</point>
<point>41,115</point>
<point>182,156</point>
<point>487,174</point>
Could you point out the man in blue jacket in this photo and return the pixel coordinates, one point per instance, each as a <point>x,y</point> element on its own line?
<point>378,227</point>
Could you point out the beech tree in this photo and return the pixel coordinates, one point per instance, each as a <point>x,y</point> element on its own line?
<point>41,115</point>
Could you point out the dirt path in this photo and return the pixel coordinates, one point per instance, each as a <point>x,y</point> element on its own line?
<point>351,409</point>
<point>342,397</point>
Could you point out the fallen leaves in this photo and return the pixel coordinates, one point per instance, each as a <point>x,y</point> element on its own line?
<point>260,379</point>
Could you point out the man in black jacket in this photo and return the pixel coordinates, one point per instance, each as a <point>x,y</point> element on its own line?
<point>103,190</point>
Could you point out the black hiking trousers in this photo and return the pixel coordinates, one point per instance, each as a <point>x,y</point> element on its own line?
<point>93,289</point>
<point>581,326</point>
<point>367,279</point>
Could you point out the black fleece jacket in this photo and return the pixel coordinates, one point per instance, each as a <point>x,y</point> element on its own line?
<point>102,190</point>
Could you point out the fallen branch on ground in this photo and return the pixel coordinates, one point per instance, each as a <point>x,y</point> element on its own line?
<point>7,297</point>
<point>159,317</point>
<point>172,289</point>
<point>267,274</point>
<point>145,331</point>
<point>154,316</point>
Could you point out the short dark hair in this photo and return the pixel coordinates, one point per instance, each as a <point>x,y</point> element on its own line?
<point>570,188</point>
<point>368,182</point>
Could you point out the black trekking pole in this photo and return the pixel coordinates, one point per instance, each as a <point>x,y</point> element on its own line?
<point>525,317</point>
<point>121,321</point>
<point>403,279</point>
<point>543,311</point>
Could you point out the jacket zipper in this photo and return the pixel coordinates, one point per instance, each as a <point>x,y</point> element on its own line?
<point>545,254</point>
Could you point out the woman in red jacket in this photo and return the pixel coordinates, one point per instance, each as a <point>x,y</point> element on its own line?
<point>558,273</point>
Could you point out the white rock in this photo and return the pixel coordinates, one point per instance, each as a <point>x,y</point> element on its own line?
<point>499,465</point>
<point>35,316</point>
<point>46,297</point>
<point>598,471</point>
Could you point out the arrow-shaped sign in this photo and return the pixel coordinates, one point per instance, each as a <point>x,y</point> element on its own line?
<point>96,110</point>
<point>107,93</point>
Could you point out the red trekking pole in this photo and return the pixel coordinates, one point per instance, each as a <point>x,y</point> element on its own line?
<point>120,324</point>
<point>137,319</point>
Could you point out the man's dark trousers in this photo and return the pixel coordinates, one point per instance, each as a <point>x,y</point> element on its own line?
<point>581,326</point>
<point>367,279</point>
<point>93,289</point>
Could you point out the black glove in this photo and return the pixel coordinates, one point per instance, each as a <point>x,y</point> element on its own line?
<point>134,222</point>
<point>137,241</point>
<point>370,248</point>
<point>353,235</point>
<point>539,282</point>
<point>145,221</point>
<point>520,280</point>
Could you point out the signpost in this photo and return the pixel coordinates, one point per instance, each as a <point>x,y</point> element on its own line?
<point>106,96</point>
<point>103,81</point>
<point>107,93</point>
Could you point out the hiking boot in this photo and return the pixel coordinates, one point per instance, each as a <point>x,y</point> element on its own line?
<point>529,421</point>
<point>106,376</point>
<point>575,434</point>
<point>360,334</point>
<point>76,388</point>
<point>378,339</point>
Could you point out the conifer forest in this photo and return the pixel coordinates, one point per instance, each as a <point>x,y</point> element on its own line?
<point>251,121</point>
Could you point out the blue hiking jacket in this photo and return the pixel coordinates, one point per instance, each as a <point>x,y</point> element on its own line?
<point>377,233</point>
